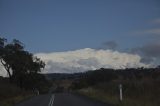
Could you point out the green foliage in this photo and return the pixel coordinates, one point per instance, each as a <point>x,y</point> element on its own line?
<point>135,93</point>
<point>102,75</point>
<point>91,78</point>
<point>140,87</point>
<point>10,94</point>
<point>22,67</point>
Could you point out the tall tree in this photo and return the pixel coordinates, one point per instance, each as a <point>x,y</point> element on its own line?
<point>8,55</point>
<point>26,65</point>
<point>21,66</point>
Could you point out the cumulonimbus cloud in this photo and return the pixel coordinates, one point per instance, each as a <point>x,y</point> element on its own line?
<point>88,59</point>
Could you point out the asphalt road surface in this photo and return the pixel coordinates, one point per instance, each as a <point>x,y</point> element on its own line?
<point>60,99</point>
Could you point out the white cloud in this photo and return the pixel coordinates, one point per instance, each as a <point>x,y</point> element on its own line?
<point>152,32</point>
<point>88,59</point>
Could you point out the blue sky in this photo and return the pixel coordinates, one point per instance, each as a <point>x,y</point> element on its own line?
<point>60,25</point>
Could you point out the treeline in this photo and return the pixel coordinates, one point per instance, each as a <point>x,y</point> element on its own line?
<point>22,67</point>
<point>103,75</point>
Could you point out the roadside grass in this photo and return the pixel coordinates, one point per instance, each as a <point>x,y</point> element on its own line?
<point>10,94</point>
<point>135,93</point>
<point>14,100</point>
<point>98,95</point>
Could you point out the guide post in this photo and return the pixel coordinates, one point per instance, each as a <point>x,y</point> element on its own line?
<point>120,92</point>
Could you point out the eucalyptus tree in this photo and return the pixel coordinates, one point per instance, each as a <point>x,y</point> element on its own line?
<point>22,66</point>
<point>9,55</point>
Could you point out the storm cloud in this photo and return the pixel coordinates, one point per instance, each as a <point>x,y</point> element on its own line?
<point>150,53</point>
<point>88,59</point>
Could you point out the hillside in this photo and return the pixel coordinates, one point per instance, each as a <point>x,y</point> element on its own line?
<point>140,85</point>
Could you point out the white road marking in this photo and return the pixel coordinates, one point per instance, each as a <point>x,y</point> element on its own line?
<point>51,100</point>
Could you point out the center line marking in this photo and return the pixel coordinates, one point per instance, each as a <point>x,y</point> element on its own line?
<point>51,100</point>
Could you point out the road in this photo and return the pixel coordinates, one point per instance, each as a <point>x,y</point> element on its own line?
<point>60,99</point>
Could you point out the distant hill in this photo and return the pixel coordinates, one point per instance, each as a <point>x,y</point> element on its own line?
<point>107,74</point>
<point>57,76</point>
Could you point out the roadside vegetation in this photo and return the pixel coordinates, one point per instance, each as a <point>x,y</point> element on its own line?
<point>11,94</point>
<point>23,68</point>
<point>140,86</point>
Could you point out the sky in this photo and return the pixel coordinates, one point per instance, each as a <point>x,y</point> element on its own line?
<point>62,26</point>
